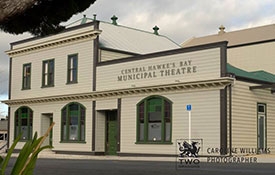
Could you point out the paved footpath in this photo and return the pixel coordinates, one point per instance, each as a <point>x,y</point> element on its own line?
<point>59,164</point>
<point>263,158</point>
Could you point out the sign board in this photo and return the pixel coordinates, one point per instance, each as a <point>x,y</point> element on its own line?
<point>189,107</point>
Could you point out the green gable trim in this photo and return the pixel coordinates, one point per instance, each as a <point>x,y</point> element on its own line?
<point>262,76</point>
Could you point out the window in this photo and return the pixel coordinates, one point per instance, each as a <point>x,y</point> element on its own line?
<point>3,136</point>
<point>48,73</point>
<point>73,123</point>
<point>26,82</point>
<point>23,123</point>
<point>261,108</point>
<point>72,69</point>
<point>154,120</point>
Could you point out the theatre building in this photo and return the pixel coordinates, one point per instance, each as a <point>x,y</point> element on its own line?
<point>116,90</point>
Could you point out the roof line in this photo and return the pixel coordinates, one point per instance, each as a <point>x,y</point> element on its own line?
<point>92,20</point>
<point>125,27</point>
<point>140,30</point>
<point>63,31</point>
<point>249,28</point>
<point>251,43</point>
<point>234,31</point>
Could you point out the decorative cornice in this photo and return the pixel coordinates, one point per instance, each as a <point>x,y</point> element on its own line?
<point>119,93</point>
<point>54,42</point>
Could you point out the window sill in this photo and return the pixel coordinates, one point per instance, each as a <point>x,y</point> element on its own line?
<point>73,82</point>
<point>152,142</point>
<point>48,86</point>
<point>24,140</point>
<point>71,141</point>
<point>23,89</point>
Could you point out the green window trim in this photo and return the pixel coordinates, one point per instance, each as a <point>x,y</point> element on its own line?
<point>155,112</point>
<point>26,76</point>
<point>72,69</point>
<point>23,122</point>
<point>80,142</point>
<point>48,73</point>
<point>70,116</point>
<point>150,142</point>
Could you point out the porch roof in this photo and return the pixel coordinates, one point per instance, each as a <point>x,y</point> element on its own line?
<point>219,83</point>
<point>263,76</point>
<point>265,79</point>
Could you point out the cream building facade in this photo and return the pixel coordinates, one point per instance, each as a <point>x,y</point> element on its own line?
<point>253,115</point>
<point>112,89</point>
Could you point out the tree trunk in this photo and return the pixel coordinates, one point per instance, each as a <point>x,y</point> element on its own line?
<point>9,8</point>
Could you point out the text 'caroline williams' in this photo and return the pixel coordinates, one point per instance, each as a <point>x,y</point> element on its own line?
<point>157,70</point>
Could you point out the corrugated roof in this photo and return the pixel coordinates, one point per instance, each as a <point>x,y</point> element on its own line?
<point>255,75</point>
<point>133,40</point>
<point>128,39</point>
<point>250,35</point>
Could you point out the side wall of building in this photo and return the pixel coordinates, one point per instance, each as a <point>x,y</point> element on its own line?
<point>253,57</point>
<point>244,116</point>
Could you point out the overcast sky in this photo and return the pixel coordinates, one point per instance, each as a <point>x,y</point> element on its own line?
<point>177,19</point>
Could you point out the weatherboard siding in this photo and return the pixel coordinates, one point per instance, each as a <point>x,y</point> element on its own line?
<point>44,125</point>
<point>100,135</point>
<point>60,56</point>
<point>202,65</point>
<point>205,122</point>
<point>244,116</point>
<point>253,57</point>
<point>106,104</point>
<point>106,55</point>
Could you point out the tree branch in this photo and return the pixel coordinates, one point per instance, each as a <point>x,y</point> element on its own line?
<point>10,8</point>
<point>39,17</point>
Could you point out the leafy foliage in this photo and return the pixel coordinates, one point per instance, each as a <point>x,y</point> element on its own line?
<point>44,17</point>
<point>25,162</point>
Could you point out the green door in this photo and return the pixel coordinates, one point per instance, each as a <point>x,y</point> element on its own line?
<point>261,132</point>
<point>111,138</point>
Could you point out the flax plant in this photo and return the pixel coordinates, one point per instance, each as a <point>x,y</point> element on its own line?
<point>26,160</point>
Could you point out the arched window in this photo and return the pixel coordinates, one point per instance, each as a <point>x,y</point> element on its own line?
<point>154,120</point>
<point>23,122</point>
<point>73,123</point>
